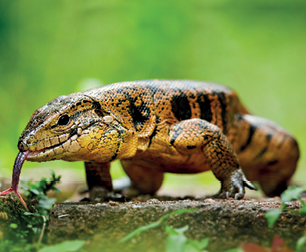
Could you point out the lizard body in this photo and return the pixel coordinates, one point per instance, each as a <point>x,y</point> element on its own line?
<point>158,126</point>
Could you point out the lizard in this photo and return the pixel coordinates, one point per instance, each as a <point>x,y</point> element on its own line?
<point>158,126</point>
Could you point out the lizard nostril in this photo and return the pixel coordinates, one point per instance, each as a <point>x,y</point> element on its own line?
<point>21,145</point>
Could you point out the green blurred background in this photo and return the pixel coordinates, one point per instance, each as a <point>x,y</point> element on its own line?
<point>54,47</point>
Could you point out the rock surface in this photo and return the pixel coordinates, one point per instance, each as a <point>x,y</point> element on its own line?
<point>227,223</point>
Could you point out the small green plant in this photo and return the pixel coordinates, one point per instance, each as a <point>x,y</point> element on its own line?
<point>292,193</point>
<point>34,223</point>
<point>36,193</point>
<point>300,245</point>
<point>176,240</point>
<point>23,231</point>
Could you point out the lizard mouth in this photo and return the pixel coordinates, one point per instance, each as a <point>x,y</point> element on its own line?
<point>38,155</point>
<point>54,152</point>
<point>65,149</point>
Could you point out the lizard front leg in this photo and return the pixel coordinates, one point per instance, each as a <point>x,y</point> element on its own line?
<point>196,135</point>
<point>98,177</point>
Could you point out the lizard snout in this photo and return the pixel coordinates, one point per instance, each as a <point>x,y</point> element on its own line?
<point>25,143</point>
<point>22,146</point>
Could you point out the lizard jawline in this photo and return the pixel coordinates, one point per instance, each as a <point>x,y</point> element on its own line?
<point>50,153</point>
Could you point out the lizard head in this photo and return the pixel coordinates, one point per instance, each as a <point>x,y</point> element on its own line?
<point>72,128</point>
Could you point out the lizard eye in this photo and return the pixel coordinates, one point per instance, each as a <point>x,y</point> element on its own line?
<point>63,120</point>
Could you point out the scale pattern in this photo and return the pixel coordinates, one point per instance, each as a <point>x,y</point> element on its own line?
<point>158,126</point>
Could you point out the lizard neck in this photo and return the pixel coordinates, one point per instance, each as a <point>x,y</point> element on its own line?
<point>128,145</point>
<point>132,106</point>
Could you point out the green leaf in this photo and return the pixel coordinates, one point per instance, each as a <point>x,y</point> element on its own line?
<point>36,192</point>
<point>56,189</point>
<point>46,203</point>
<point>32,220</point>
<point>34,186</point>
<point>32,214</point>
<point>181,230</point>
<point>67,246</point>
<point>300,243</point>
<point>139,230</point>
<point>170,230</point>
<point>157,223</point>
<point>176,243</point>
<point>204,243</point>
<point>71,246</point>
<point>24,184</point>
<point>179,211</point>
<point>303,210</point>
<point>272,216</point>
<point>292,193</point>
<point>200,245</point>
<point>13,225</point>
<point>190,248</point>
<point>52,173</point>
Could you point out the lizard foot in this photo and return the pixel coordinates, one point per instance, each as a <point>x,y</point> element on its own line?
<point>234,186</point>
<point>101,194</point>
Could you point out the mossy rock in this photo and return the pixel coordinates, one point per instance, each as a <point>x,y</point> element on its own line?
<point>227,223</point>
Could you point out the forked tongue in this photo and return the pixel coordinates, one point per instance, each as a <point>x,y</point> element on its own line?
<point>15,178</point>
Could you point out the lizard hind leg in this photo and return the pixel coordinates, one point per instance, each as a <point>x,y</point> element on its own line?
<point>143,180</point>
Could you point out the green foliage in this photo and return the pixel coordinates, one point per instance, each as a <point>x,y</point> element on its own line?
<point>13,225</point>
<point>26,227</point>
<point>292,193</point>
<point>272,216</point>
<point>300,245</point>
<point>161,221</point>
<point>66,246</point>
<point>139,230</point>
<point>36,193</point>
<point>24,235</point>
<point>21,246</point>
<point>176,241</point>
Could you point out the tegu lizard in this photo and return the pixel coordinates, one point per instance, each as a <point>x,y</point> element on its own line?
<point>158,126</point>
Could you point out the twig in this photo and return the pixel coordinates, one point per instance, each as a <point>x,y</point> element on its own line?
<point>43,229</point>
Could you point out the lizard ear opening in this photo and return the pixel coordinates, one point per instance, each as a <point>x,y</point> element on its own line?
<point>99,113</point>
<point>96,106</point>
<point>107,116</point>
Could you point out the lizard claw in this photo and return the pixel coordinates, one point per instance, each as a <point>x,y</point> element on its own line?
<point>234,186</point>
